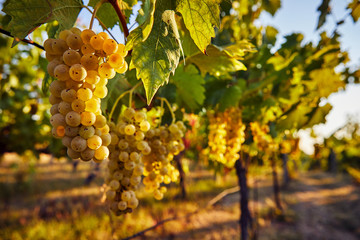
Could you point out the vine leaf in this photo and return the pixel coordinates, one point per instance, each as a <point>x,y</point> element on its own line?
<point>200,17</point>
<point>271,6</point>
<point>154,67</point>
<point>106,13</point>
<point>146,17</point>
<point>324,10</point>
<point>27,15</point>
<point>218,62</point>
<point>355,9</point>
<point>190,90</point>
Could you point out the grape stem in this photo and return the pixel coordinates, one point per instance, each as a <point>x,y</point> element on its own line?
<point>121,16</point>
<point>169,107</point>
<point>130,91</point>
<point>101,23</point>
<point>22,40</point>
<point>97,6</point>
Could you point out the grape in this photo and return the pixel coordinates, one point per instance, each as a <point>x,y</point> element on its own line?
<point>86,131</point>
<point>61,72</point>
<point>59,46</point>
<point>88,118</point>
<point>100,91</point>
<point>73,84</point>
<point>54,109</point>
<point>48,45</point>
<point>129,165</point>
<point>122,205</point>
<point>139,116</point>
<point>114,185</point>
<point>64,34</point>
<point>75,31</point>
<point>105,129</point>
<point>94,142</point>
<point>78,144</point>
<point>86,35</point>
<point>90,61</point>
<point>71,57</point>
<point>89,86</point>
<point>102,82</point>
<point>97,42</point>
<point>139,135</point>
<point>73,154</point>
<point>78,105</point>
<point>104,35</point>
<point>121,50</point>
<point>56,87</point>
<point>110,195</point>
<point>84,94</point>
<point>116,60</point>
<point>68,95</point>
<point>64,107</point>
<point>100,121</point>
<point>130,129</point>
<point>73,119</point>
<point>71,131</point>
<point>101,153</point>
<point>106,71</point>
<point>106,139</point>
<point>133,203</point>
<point>92,105</point>
<point>158,195</point>
<point>110,46</point>
<point>144,126</point>
<point>77,72</point>
<point>66,141</point>
<point>123,68</point>
<point>87,48</point>
<point>57,120</point>
<point>52,65</point>
<point>74,41</point>
<point>92,77</point>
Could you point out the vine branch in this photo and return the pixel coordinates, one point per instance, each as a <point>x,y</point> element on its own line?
<point>121,16</point>
<point>22,40</point>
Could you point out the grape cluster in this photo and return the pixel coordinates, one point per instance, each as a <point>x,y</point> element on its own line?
<point>128,146</point>
<point>261,135</point>
<point>82,62</point>
<point>226,134</point>
<point>165,142</point>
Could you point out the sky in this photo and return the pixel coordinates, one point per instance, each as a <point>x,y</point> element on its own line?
<point>301,16</point>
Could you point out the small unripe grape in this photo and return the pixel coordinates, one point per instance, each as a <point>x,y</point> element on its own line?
<point>110,46</point>
<point>129,165</point>
<point>114,184</point>
<point>57,120</point>
<point>87,154</point>
<point>90,62</point>
<point>125,196</point>
<point>118,175</point>
<point>114,139</point>
<point>48,45</point>
<point>106,71</point>
<point>139,116</point>
<point>130,129</point>
<point>74,41</point>
<point>84,94</point>
<point>102,153</point>
<point>94,142</point>
<point>61,72</point>
<point>71,131</point>
<point>139,136</point>
<point>92,77</point>
<point>77,72</point>
<point>78,105</point>
<point>123,144</point>
<point>141,145</point>
<point>71,57</point>
<point>86,131</point>
<point>134,156</point>
<point>135,180</point>
<point>68,95</point>
<point>122,205</point>
<point>73,119</point>
<point>144,126</point>
<point>158,195</point>
<point>146,150</point>
<point>78,144</point>
<point>52,65</point>
<point>73,154</point>
<point>133,203</point>
<point>86,35</point>
<point>124,156</point>
<point>100,121</point>
<point>64,107</point>
<point>97,42</point>
<point>88,118</point>
<point>105,129</point>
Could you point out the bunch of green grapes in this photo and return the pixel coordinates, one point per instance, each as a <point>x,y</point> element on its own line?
<point>226,135</point>
<point>128,146</point>
<point>261,135</point>
<point>165,142</point>
<point>82,62</point>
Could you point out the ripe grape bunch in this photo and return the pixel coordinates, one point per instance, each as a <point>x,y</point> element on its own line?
<point>128,145</point>
<point>165,142</point>
<point>82,62</point>
<point>226,134</point>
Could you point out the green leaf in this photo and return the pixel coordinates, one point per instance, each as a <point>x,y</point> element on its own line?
<point>27,15</point>
<point>230,98</point>
<point>324,10</point>
<point>200,16</point>
<point>154,67</point>
<point>317,115</point>
<point>106,13</point>
<point>146,17</point>
<point>271,6</point>
<point>46,83</point>
<point>355,9</point>
<point>190,91</point>
<point>280,62</point>
<point>217,62</point>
